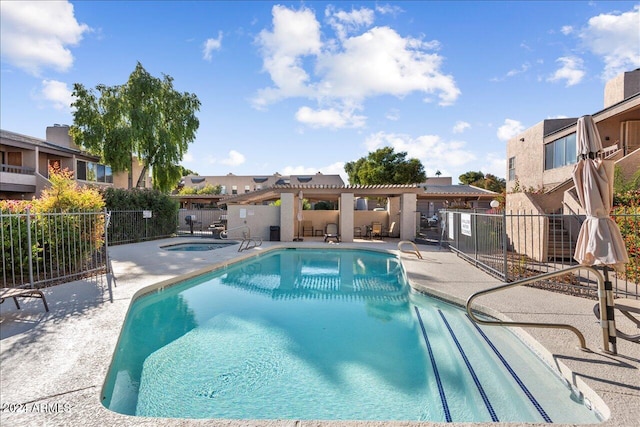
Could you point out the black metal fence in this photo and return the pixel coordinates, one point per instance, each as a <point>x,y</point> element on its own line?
<point>515,245</point>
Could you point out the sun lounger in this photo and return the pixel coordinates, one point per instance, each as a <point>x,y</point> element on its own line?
<point>16,293</point>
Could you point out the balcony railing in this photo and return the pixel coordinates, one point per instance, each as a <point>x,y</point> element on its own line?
<point>17,169</point>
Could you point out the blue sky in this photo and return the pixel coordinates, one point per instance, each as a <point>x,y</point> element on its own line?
<point>304,87</point>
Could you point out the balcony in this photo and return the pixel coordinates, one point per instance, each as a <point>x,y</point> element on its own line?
<point>18,179</point>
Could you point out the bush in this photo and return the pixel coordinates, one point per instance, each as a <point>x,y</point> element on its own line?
<point>164,210</point>
<point>71,239</point>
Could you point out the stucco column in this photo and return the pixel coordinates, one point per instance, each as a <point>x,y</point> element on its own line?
<point>287,217</point>
<point>346,217</point>
<point>409,205</point>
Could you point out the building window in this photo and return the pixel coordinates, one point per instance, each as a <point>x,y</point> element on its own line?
<point>223,189</point>
<point>94,172</point>
<point>247,188</point>
<point>512,168</point>
<point>234,189</point>
<point>561,152</point>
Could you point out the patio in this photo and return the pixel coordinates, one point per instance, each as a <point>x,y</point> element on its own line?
<point>53,364</point>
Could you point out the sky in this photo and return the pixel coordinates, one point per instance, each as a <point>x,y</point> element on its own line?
<point>298,88</point>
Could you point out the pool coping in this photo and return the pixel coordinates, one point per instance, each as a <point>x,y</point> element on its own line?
<point>80,309</point>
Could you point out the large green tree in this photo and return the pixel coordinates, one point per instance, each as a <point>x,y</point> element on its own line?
<point>488,182</point>
<point>145,117</point>
<point>385,166</point>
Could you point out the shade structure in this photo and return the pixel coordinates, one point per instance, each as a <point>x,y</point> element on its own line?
<point>599,241</point>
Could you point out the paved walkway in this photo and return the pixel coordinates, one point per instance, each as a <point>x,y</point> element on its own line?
<point>52,365</point>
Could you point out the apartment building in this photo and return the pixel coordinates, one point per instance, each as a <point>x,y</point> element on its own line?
<point>541,159</point>
<point>25,162</point>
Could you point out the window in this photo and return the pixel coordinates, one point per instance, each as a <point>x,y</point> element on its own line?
<point>81,170</point>
<point>223,189</point>
<point>247,188</point>
<point>94,172</point>
<point>234,189</point>
<point>512,168</point>
<point>561,152</point>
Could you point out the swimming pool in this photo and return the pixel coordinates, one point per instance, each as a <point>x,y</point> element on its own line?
<point>329,335</point>
<point>197,246</point>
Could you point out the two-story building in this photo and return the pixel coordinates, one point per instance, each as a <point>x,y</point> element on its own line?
<point>540,160</point>
<point>25,162</point>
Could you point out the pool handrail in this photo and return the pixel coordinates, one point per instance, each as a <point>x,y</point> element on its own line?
<point>253,241</point>
<point>409,242</point>
<point>245,235</point>
<point>606,323</point>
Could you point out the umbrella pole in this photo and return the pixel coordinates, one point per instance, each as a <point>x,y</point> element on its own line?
<point>607,319</point>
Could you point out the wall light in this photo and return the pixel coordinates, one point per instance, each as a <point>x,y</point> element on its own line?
<point>521,139</point>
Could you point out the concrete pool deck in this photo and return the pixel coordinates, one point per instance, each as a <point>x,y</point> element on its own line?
<point>53,365</point>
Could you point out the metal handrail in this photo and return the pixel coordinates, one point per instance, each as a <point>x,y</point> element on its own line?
<point>414,251</point>
<point>225,234</point>
<point>601,293</point>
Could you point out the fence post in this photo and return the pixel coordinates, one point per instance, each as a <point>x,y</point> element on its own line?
<point>504,244</point>
<point>29,254</point>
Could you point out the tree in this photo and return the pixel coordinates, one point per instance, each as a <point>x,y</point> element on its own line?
<point>488,182</point>
<point>145,117</point>
<point>384,166</point>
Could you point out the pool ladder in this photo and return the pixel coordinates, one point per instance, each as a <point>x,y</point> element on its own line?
<point>247,242</point>
<point>414,250</point>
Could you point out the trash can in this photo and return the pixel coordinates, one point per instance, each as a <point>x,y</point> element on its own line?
<point>274,233</point>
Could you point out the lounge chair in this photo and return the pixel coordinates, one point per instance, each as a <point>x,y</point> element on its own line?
<point>16,293</point>
<point>331,232</point>
<point>626,307</point>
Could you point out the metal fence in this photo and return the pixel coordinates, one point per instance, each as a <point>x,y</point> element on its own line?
<point>140,226</point>
<point>43,249</point>
<point>515,245</point>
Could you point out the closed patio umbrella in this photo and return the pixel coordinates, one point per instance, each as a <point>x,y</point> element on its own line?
<point>599,241</point>
<point>299,215</point>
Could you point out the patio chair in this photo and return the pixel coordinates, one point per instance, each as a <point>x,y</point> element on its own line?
<point>331,232</point>
<point>376,230</point>
<point>390,231</point>
<point>16,293</point>
<point>307,227</point>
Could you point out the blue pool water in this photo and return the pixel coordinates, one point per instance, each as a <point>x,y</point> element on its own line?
<point>324,334</point>
<point>196,247</point>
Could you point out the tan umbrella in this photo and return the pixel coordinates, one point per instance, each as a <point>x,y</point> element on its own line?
<point>299,216</point>
<point>599,241</point>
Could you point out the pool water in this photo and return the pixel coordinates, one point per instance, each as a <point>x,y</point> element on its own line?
<point>328,335</point>
<point>196,247</point>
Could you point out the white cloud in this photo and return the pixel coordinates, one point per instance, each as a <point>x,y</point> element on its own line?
<point>433,152</point>
<point>349,70</point>
<point>210,45</point>
<point>36,34</point>
<point>461,126</point>
<point>345,23</point>
<point>571,70</point>
<point>234,159</point>
<point>393,115</point>
<point>614,37</point>
<point>495,164</point>
<point>295,34</point>
<point>58,94</point>
<point>509,129</point>
<point>566,29</point>
<point>187,158</point>
<point>329,118</point>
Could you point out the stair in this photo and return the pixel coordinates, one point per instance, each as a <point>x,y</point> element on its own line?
<point>561,245</point>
